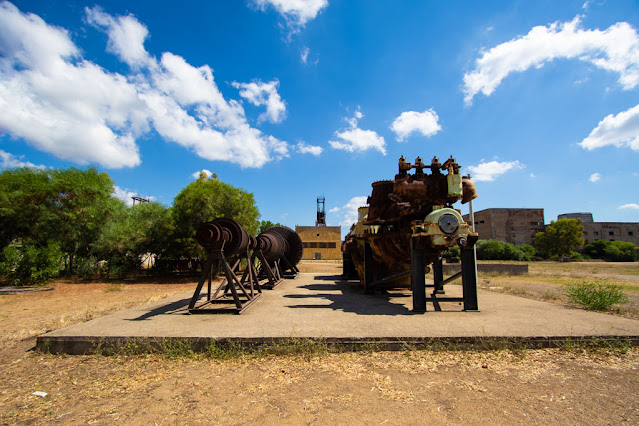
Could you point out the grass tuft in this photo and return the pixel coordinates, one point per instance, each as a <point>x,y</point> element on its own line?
<point>597,295</point>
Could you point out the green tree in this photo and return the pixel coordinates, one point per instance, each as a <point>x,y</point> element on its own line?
<point>68,206</point>
<point>204,200</point>
<point>614,251</point>
<point>560,238</point>
<point>265,224</point>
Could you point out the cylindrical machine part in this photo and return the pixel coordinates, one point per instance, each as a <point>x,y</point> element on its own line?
<point>211,235</point>
<point>272,245</point>
<point>294,247</point>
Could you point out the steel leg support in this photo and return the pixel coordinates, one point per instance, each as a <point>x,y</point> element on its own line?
<point>469,279</point>
<point>417,277</point>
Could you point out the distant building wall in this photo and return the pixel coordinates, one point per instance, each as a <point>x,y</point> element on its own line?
<point>516,226</point>
<point>323,242</point>
<point>585,217</point>
<point>611,231</point>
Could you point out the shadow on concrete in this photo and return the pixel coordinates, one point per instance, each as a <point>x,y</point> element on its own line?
<point>348,296</point>
<point>172,308</point>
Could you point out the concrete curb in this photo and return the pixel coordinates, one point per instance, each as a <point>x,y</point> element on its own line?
<point>114,345</point>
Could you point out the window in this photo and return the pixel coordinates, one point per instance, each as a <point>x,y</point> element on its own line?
<point>305,245</point>
<point>611,232</point>
<point>596,232</point>
<point>323,245</point>
<point>313,245</point>
<point>318,235</point>
<point>630,233</point>
<point>481,221</point>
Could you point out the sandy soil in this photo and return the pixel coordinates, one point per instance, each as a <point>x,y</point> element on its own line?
<point>525,386</point>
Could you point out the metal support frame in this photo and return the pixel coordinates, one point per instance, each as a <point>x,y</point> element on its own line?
<point>290,271</point>
<point>468,275</point>
<point>227,291</point>
<point>272,275</point>
<point>438,276</point>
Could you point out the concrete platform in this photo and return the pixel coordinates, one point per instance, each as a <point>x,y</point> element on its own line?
<point>325,307</point>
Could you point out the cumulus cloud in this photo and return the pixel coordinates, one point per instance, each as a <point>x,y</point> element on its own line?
<point>615,49</point>
<point>349,210</point>
<point>631,206</point>
<point>76,110</point>
<point>304,54</point>
<point>334,210</point>
<point>126,36</point>
<point>491,170</point>
<point>295,12</point>
<point>304,148</point>
<point>595,177</point>
<point>10,161</point>
<point>354,139</point>
<point>617,130</point>
<point>410,122</point>
<point>207,173</point>
<point>259,93</point>
<point>124,195</point>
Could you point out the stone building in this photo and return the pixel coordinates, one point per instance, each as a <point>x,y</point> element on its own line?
<point>320,242</point>
<point>516,226</point>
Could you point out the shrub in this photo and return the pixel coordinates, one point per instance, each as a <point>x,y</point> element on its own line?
<point>614,251</point>
<point>596,296</point>
<point>499,250</point>
<point>31,265</point>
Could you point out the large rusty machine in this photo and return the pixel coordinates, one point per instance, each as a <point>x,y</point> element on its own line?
<point>407,225</point>
<point>267,259</point>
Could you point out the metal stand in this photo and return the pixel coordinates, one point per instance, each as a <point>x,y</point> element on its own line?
<point>468,275</point>
<point>290,271</point>
<point>271,274</point>
<point>214,264</point>
<point>368,269</point>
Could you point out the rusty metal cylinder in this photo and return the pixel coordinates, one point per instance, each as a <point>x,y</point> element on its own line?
<point>272,245</point>
<point>223,233</point>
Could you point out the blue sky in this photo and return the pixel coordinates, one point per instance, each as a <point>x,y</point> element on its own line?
<point>291,99</point>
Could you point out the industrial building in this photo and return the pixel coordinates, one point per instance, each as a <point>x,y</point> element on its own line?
<point>321,241</point>
<point>519,226</point>
<point>516,226</point>
<point>607,231</point>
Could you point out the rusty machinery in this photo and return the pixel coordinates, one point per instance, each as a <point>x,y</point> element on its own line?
<point>277,251</point>
<point>409,221</point>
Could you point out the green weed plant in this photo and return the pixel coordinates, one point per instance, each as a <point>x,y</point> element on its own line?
<point>597,295</point>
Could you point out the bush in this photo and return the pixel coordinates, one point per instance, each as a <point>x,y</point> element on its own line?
<point>596,296</point>
<point>31,265</point>
<point>498,250</point>
<point>614,251</point>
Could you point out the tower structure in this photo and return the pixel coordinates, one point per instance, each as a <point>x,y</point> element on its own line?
<point>321,214</point>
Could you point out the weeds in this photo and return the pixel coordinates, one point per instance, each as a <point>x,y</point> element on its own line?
<point>596,296</point>
<point>114,287</point>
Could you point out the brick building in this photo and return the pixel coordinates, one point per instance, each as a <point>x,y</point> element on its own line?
<point>607,231</point>
<point>516,226</point>
<point>320,242</point>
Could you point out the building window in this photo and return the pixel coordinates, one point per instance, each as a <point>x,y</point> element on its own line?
<point>305,245</point>
<point>481,221</point>
<point>630,233</point>
<point>318,235</point>
<point>332,245</point>
<point>323,245</point>
<point>313,245</point>
<point>596,232</point>
<point>611,232</point>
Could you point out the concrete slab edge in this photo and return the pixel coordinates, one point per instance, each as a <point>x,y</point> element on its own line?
<point>114,345</point>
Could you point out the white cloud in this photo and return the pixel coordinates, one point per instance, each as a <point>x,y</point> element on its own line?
<point>304,54</point>
<point>615,49</point>
<point>196,175</point>
<point>10,161</point>
<point>349,210</point>
<point>296,12</point>
<point>617,130</point>
<point>126,36</point>
<point>409,122</point>
<point>632,206</point>
<point>595,177</point>
<point>491,170</point>
<point>304,148</point>
<point>124,195</point>
<point>259,94</point>
<point>74,109</point>
<point>334,210</point>
<point>355,139</point>
<point>532,175</point>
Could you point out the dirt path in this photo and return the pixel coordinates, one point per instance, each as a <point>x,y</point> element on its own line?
<point>443,387</point>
